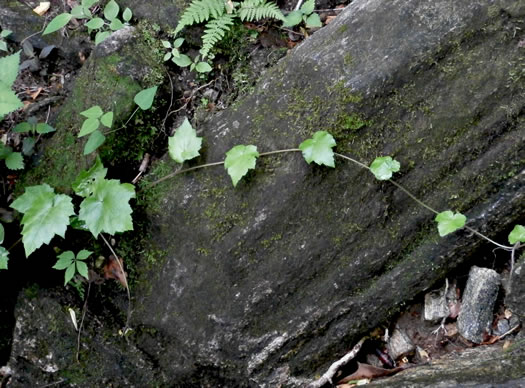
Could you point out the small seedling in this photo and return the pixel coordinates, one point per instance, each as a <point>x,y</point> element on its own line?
<point>73,265</point>
<point>94,117</point>
<point>304,14</point>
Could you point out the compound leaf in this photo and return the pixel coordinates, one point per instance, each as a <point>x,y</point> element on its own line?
<point>239,160</point>
<point>45,214</point>
<point>318,149</point>
<point>57,23</point>
<point>92,113</point>
<point>88,126</point>
<point>83,254</point>
<point>517,234</point>
<point>70,272</point>
<point>82,268</point>
<point>449,222</point>
<point>107,119</point>
<point>65,259</point>
<point>107,209</point>
<point>144,98</point>
<point>383,167</point>
<point>184,144</point>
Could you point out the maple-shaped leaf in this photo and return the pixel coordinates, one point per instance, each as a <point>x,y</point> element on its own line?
<point>318,149</point>
<point>184,144</point>
<point>449,222</point>
<point>239,160</point>
<point>383,167</point>
<point>45,214</point>
<point>517,234</point>
<point>107,208</point>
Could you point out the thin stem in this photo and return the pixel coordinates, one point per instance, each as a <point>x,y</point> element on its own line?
<point>84,310</point>
<point>507,248</point>
<point>352,160</point>
<point>413,196</point>
<point>124,275</point>
<point>126,123</point>
<point>279,151</point>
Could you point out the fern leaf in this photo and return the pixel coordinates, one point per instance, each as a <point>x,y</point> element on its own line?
<point>200,11</point>
<point>214,31</point>
<point>251,10</point>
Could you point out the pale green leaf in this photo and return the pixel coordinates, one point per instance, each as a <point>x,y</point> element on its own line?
<point>111,10</point>
<point>107,209</point>
<point>116,25</point>
<point>144,98</point>
<point>449,222</point>
<point>178,42</point>
<point>318,149</point>
<point>100,36</point>
<point>5,33</point>
<point>166,57</point>
<point>83,254</point>
<point>96,139</point>
<point>89,3</point>
<point>166,44</point>
<point>107,119</point>
<point>70,272</point>
<point>517,235</point>
<point>127,15</point>
<point>203,67</point>
<point>84,181</point>
<point>308,7</point>
<point>182,60</point>
<point>293,19</point>
<point>93,113</point>
<point>14,161</point>
<point>79,12</point>
<point>9,68</point>
<point>45,215</point>
<point>65,259</point>
<point>3,47</point>
<point>88,126</point>
<point>43,128</point>
<point>4,258</point>
<point>239,160</point>
<point>383,167</point>
<point>95,23</point>
<point>82,269</point>
<point>313,21</point>
<point>9,102</point>
<point>57,23</point>
<point>184,144</point>
<point>2,233</point>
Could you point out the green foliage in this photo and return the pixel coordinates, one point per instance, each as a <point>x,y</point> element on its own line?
<point>239,160</point>
<point>13,160</point>
<point>318,149</point>
<point>57,23</point>
<point>214,31</point>
<point>305,14</point>
<point>4,253</point>
<point>94,117</point>
<point>82,184</point>
<point>517,234</point>
<point>4,34</point>
<point>200,11</point>
<point>9,101</point>
<point>33,127</point>
<point>184,144</point>
<point>46,214</point>
<point>383,167</point>
<point>144,98</point>
<point>251,10</point>
<point>67,261</point>
<point>449,222</point>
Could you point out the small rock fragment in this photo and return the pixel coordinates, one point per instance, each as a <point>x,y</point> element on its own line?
<point>438,305</point>
<point>478,303</point>
<point>502,327</point>
<point>400,344</point>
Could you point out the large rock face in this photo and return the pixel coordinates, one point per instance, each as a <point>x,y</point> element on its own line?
<point>271,281</point>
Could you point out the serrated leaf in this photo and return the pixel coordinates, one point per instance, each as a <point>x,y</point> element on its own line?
<point>449,222</point>
<point>93,113</point>
<point>313,21</point>
<point>107,119</point>
<point>318,149</point>
<point>2,233</point>
<point>84,181</point>
<point>181,60</point>
<point>116,25</point>
<point>101,36</point>
<point>107,209</point>
<point>308,7</point>
<point>83,254</point>
<point>43,128</point>
<point>46,214</point>
<point>4,258</point>
<point>82,269</point>
<point>127,14</point>
<point>203,67</point>
<point>96,139</point>
<point>65,259</point>
<point>184,144</point>
<point>28,146</point>
<point>517,234</point>
<point>9,102</point>
<point>9,68</point>
<point>293,19</point>
<point>95,23</point>
<point>14,161</point>
<point>144,98</point>
<point>70,272</point>
<point>239,160</point>
<point>88,126</point>
<point>383,167</point>
<point>57,23</point>
<point>23,127</point>
<point>111,10</point>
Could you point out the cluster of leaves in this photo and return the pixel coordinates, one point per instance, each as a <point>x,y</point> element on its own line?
<point>73,264</point>
<point>9,101</point>
<point>304,14</point>
<point>182,60</point>
<point>4,34</point>
<point>103,26</point>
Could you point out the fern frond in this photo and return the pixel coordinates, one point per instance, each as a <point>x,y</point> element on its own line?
<point>251,10</point>
<point>200,11</point>
<point>214,31</point>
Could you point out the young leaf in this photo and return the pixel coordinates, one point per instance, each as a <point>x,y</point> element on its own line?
<point>144,98</point>
<point>115,25</point>
<point>127,15</point>
<point>166,57</point>
<point>449,222</point>
<point>178,42</point>
<point>203,67</point>
<point>239,160</point>
<point>70,272</point>
<point>517,234</point>
<point>28,145</point>
<point>57,23</point>
<point>100,36</point>
<point>83,254</point>
<point>95,23</point>
<point>23,127</point>
<point>111,10</point>
<point>82,269</point>
<point>9,69</point>
<point>313,21</point>
<point>89,3</point>
<point>318,149</point>
<point>88,126</point>
<point>65,259</point>
<point>184,144</point>
<point>107,119</point>
<point>182,60</point>
<point>383,167</point>
<point>43,128</point>
<point>96,139</point>
<point>14,161</point>
<point>107,209</point>
<point>45,214</point>
<point>9,102</point>
<point>293,19</point>
<point>308,7</point>
<point>92,113</point>
<point>4,258</point>
<point>2,234</point>
<point>84,181</point>
<point>166,44</point>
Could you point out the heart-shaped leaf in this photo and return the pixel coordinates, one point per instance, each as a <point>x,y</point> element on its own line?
<point>449,222</point>
<point>144,98</point>
<point>239,160</point>
<point>517,234</point>
<point>383,167</point>
<point>318,149</point>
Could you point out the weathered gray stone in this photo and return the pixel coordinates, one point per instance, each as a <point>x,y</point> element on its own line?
<point>400,344</point>
<point>516,299</point>
<point>437,303</point>
<point>477,306</point>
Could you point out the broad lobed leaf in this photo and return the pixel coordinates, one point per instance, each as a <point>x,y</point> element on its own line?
<point>184,144</point>
<point>239,160</point>
<point>449,222</point>
<point>318,149</point>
